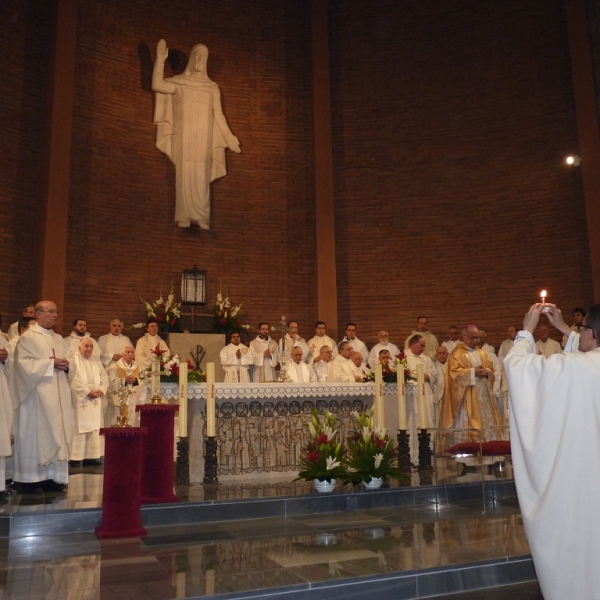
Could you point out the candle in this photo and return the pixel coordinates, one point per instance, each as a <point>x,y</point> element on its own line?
<point>421,396</point>
<point>183,399</point>
<point>155,377</point>
<point>543,295</point>
<point>378,400</point>
<point>401,399</point>
<point>210,399</point>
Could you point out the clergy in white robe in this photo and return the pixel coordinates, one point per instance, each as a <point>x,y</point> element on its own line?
<point>6,413</point>
<point>360,369</point>
<point>384,344</point>
<point>431,342</point>
<point>291,339</point>
<point>297,370</point>
<point>468,401</point>
<point>507,344</point>
<point>555,443</point>
<point>415,355</point>
<point>112,344</point>
<point>236,359</point>
<point>453,338</point>
<point>441,363</point>
<point>79,332</point>
<point>43,417</point>
<point>546,346</point>
<point>125,371</point>
<point>147,344</point>
<point>356,344</point>
<point>89,384</point>
<point>321,367</point>
<point>266,356</point>
<point>28,311</point>
<point>318,341</point>
<point>342,368</point>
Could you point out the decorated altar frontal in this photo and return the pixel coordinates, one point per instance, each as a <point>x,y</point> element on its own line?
<point>262,427</point>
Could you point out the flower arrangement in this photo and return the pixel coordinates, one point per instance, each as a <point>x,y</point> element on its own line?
<point>226,316</point>
<point>390,372</point>
<point>371,452</point>
<point>169,368</point>
<point>322,458</point>
<point>166,312</point>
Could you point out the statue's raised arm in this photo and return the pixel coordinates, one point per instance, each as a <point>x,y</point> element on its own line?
<point>192,131</point>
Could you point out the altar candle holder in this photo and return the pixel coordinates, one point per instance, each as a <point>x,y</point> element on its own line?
<point>403,451</point>
<point>182,466</point>
<point>425,451</point>
<point>210,460</point>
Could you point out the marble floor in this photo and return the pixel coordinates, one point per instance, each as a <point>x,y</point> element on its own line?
<point>192,561</point>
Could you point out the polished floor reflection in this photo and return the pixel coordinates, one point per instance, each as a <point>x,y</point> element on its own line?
<point>237,556</point>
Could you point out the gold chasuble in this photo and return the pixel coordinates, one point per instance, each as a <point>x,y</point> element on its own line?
<point>475,401</point>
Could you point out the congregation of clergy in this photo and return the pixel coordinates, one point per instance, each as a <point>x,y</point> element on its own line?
<point>56,393</point>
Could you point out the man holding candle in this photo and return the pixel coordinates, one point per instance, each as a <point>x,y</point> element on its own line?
<point>468,401</point>
<point>555,442</point>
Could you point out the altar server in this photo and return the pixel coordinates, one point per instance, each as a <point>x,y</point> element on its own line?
<point>266,355</point>
<point>297,370</point>
<point>147,344</point>
<point>124,371</point>
<point>384,344</point>
<point>79,332</point>
<point>112,344</point>
<point>43,417</point>
<point>6,413</point>
<point>555,442</point>
<point>89,384</point>
<point>318,341</point>
<point>236,359</point>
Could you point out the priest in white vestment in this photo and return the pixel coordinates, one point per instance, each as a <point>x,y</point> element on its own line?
<point>89,384</point>
<point>147,344</point>
<point>266,355</point>
<point>453,338</point>
<point>384,344</point>
<point>431,342</point>
<point>192,131</point>
<point>23,324</point>
<point>441,362</point>
<point>236,359</point>
<point>291,339</point>
<point>6,414</point>
<point>415,355</point>
<point>112,344</point>
<point>555,443</point>
<point>79,332</point>
<point>342,368</point>
<point>297,370</point>
<point>28,311</point>
<point>546,346</point>
<point>318,341</point>
<point>322,366</point>
<point>125,371</point>
<point>43,417</point>
<point>468,401</point>
<point>356,344</point>
<point>360,369</point>
<point>578,318</point>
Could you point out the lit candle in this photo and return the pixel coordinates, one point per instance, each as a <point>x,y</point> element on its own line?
<point>210,399</point>
<point>401,399</point>
<point>183,399</point>
<point>543,295</point>
<point>421,396</point>
<point>378,400</point>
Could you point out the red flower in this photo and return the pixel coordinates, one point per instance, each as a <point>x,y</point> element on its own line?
<point>380,443</point>
<point>401,356</point>
<point>175,370</point>
<point>322,438</point>
<point>159,319</point>
<point>223,321</point>
<point>172,322</point>
<point>238,323</point>
<point>313,456</point>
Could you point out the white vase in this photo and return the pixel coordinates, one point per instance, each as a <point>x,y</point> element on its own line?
<point>374,484</point>
<point>324,486</point>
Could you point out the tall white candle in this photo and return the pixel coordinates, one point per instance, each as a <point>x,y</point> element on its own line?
<point>421,395</point>
<point>401,399</point>
<point>210,399</point>
<point>155,376</point>
<point>183,399</point>
<point>378,400</point>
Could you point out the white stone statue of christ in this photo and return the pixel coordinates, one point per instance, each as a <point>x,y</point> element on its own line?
<point>192,131</point>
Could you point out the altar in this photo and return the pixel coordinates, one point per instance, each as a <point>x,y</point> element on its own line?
<point>262,427</point>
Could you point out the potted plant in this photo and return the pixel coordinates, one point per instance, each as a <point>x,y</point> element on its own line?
<point>371,455</point>
<point>322,459</point>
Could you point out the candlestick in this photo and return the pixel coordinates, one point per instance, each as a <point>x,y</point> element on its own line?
<point>401,399</point>
<point>183,399</point>
<point>421,395</point>
<point>378,400</point>
<point>210,400</point>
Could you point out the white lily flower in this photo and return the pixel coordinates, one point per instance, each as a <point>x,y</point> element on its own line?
<point>354,414</point>
<point>366,434</point>
<point>378,459</point>
<point>312,430</point>
<point>332,463</point>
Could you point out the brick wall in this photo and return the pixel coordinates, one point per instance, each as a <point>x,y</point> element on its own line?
<point>451,123</point>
